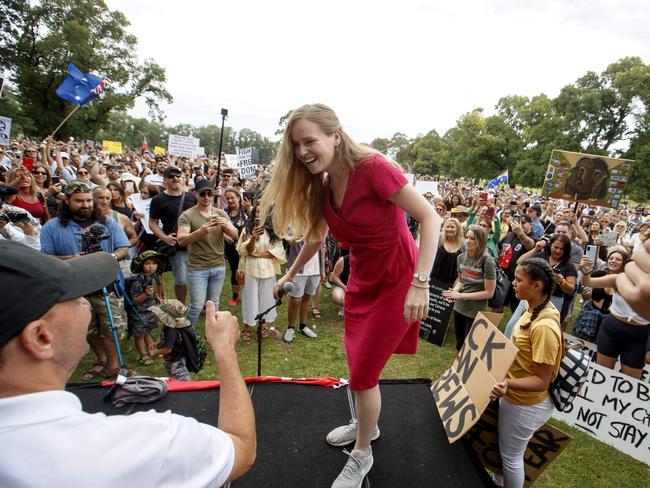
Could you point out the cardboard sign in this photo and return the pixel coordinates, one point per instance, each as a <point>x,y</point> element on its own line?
<point>160,151</point>
<point>463,391</point>
<point>434,328</point>
<point>112,147</point>
<point>5,130</point>
<point>247,169</point>
<point>587,178</point>
<point>545,445</point>
<point>182,146</point>
<point>615,409</point>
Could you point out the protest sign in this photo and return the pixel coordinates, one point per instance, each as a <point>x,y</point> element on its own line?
<point>586,178</point>
<point>112,147</point>
<point>182,146</point>
<point>546,444</point>
<point>615,409</point>
<point>410,177</point>
<point>434,327</point>
<point>462,393</point>
<point>160,151</point>
<point>424,187</point>
<point>246,167</point>
<point>5,130</point>
<point>232,160</point>
<point>200,152</point>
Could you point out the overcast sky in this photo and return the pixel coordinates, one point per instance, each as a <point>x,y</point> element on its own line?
<point>383,66</point>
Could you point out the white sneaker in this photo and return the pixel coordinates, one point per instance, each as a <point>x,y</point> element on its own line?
<point>289,334</point>
<point>357,467</point>
<point>308,332</point>
<point>347,434</point>
<point>341,312</point>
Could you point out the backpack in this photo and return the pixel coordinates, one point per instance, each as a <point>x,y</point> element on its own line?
<point>588,322</point>
<point>502,286</point>
<point>195,349</point>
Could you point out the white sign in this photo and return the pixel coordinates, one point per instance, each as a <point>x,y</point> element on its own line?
<point>424,187</point>
<point>246,167</point>
<point>5,130</point>
<point>200,152</point>
<point>232,160</point>
<point>615,409</point>
<point>142,206</point>
<point>182,146</point>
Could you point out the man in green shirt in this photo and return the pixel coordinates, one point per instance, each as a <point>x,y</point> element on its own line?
<point>201,229</point>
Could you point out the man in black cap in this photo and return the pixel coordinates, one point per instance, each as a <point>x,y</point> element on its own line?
<point>47,439</point>
<point>166,207</point>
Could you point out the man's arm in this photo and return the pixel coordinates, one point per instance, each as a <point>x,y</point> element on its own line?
<point>236,415</point>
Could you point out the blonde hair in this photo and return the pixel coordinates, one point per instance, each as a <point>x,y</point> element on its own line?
<point>460,239</point>
<point>294,194</point>
<point>33,187</point>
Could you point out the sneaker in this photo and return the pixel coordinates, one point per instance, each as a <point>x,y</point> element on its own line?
<point>289,335</point>
<point>308,332</point>
<point>341,312</point>
<point>346,434</point>
<point>357,467</point>
<point>328,285</point>
<point>234,301</point>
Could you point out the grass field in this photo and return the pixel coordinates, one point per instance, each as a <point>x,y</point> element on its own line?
<point>585,463</point>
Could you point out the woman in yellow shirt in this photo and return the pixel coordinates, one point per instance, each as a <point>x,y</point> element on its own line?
<point>525,404</point>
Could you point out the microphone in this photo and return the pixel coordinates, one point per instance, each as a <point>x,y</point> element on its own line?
<point>286,288</point>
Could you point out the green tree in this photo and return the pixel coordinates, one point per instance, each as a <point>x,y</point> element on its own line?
<point>48,35</point>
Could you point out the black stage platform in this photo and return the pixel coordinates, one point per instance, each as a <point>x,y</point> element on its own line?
<point>293,419</point>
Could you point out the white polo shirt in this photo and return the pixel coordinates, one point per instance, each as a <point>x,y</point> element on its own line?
<point>47,440</point>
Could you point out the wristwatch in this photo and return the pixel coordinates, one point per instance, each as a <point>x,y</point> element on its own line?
<point>422,277</point>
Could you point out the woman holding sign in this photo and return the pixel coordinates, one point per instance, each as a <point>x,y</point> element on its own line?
<point>324,179</point>
<point>525,404</point>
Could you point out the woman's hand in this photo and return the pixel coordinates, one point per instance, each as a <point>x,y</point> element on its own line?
<point>540,245</point>
<point>416,305</point>
<point>451,294</point>
<point>597,241</point>
<point>279,285</point>
<point>499,390</point>
<point>559,279</point>
<point>586,266</point>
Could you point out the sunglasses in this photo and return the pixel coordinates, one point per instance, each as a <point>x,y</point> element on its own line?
<point>82,172</point>
<point>40,173</point>
<point>207,193</point>
<point>171,177</point>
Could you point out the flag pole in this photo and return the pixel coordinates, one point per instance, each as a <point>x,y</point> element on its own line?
<point>64,120</point>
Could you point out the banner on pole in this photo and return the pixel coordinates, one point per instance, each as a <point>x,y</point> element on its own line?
<point>5,130</point>
<point>586,178</point>
<point>246,167</point>
<point>462,393</point>
<point>113,147</point>
<point>182,146</point>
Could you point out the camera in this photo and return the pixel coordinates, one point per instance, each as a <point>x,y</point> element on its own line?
<point>92,237</point>
<point>224,112</point>
<point>249,195</point>
<point>15,216</point>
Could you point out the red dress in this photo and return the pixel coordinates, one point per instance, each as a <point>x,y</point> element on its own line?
<point>382,263</point>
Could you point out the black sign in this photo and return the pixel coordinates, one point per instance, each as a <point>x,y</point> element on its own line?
<point>434,328</point>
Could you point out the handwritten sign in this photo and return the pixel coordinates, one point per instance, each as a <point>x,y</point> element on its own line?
<point>434,327</point>
<point>578,177</point>
<point>545,445</point>
<point>182,146</point>
<point>160,151</point>
<point>614,408</point>
<point>113,147</point>
<point>463,391</point>
<point>5,130</point>
<point>247,169</point>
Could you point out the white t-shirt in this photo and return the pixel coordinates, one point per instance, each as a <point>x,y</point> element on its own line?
<point>47,440</point>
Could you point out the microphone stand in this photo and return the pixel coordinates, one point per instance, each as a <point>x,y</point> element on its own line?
<point>259,318</point>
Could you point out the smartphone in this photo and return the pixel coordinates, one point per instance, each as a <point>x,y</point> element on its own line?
<point>257,222</point>
<point>29,164</point>
<point>590,252</point>
<point>55,179</point>
<point>516,218</point>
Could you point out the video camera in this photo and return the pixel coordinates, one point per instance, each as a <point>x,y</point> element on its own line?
<point>92,237</point>
<point>14,216</point>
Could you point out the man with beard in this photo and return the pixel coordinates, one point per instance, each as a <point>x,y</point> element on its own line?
<point>166,207</point>
<point>64,237</point>
<point>102,200</point>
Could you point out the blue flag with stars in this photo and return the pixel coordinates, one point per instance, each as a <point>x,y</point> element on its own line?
<point>79,87</point>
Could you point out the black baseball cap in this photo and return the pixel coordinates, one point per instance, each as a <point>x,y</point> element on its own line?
<point>172,169</point>
<point>31,283</point>
<point>202,185</point>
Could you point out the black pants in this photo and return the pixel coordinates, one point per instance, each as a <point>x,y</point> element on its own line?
<point>233,261</point>
<point>462,325</point>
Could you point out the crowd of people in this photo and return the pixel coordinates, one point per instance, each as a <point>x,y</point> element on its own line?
<point>361,230</point>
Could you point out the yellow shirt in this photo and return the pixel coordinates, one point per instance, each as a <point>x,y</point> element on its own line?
<point>261,267</point>
<point>539,343</point>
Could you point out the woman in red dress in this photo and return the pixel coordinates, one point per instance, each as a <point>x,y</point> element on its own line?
<point>323,179</point>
